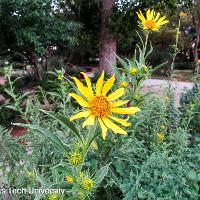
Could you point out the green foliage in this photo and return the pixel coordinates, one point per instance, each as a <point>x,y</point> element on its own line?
<point>10,150</point>
<point>190,108</point>
<point>35,25</point>
<point>140,167</point>
<point>32,30</point>
<point>143,168</point>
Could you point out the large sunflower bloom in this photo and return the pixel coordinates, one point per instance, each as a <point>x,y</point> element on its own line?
<point>152,21</point>
<point>98,106</point>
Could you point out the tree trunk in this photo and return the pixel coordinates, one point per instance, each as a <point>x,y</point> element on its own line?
<point>197,41</point>
<point>37,70</point>
<point>32,60</point>
<point>108,42</point>
<point>46,63</point>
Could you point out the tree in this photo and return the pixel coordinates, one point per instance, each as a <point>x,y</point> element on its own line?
<point>34,29</point>
<point>87,13</point>
<point>108,41</point>
<point>97,35</point>
<point>117,22</point>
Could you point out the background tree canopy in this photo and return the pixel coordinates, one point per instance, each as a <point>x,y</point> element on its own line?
<point>41,29</point>
<point>32,30</point>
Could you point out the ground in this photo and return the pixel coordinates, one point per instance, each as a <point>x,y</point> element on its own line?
<point>150,85</point>
<point>158,86</point>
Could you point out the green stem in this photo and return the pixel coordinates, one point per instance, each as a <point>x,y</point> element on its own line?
<point>92,137</point>
<point>175,50</point>
<point>145,45</point>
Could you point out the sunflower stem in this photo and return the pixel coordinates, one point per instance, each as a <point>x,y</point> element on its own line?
<point>176,50</point>
<point>91,138</point>
<point>145,45</point>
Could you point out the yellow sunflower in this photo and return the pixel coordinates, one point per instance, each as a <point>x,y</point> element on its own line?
<point>152,21</point>
<point>97,105</point>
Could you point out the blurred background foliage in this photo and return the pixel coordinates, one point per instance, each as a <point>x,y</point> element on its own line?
<point>36,32</point>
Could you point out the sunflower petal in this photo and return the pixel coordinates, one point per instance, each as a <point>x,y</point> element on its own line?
<point>113,127</point>
<point>89,121</point>
<point>161,20</point>
<point>80,115</point>
<point>79,99</point>
<point>126,111</point>
<point>118,93</point>
<point>141,16</point>
<point>121,121</point>
<point>157,17</point>
<point>164,22</point>
<point>83,90</point>
<point>156,28</point>
<point>99,84</point>
<point>119,103</point>
<point>89,84</point>
<point>103,127</point>
<point>151,15</point>
<point>108,85</point>
<point>148,14</point>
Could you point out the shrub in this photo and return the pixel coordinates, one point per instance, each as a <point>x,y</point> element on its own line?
<point>190,108</point>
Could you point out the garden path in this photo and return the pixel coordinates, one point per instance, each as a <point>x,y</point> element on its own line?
<point>2,80</point>
<point>151,85</point>
<point>158,86</point>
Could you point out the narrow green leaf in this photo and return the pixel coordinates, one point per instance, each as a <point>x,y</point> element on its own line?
<point>38,196</point>
<point>157,67</point>
<point>150,51</point>
<point>65,121</point>
<point>122,62</point>
<point>91,140</point>
<point>52,137</point>
<point>55,175</point>
<point>43,181</point>
<point>100,174</point>
<point>9,93</point>
<point>64,168</point>
<point>12,107</point>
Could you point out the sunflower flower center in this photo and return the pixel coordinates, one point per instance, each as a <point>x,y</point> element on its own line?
<point>76,159</point>
<point>100,106</point>
<point>150,24</point>
<point>88,184</point>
